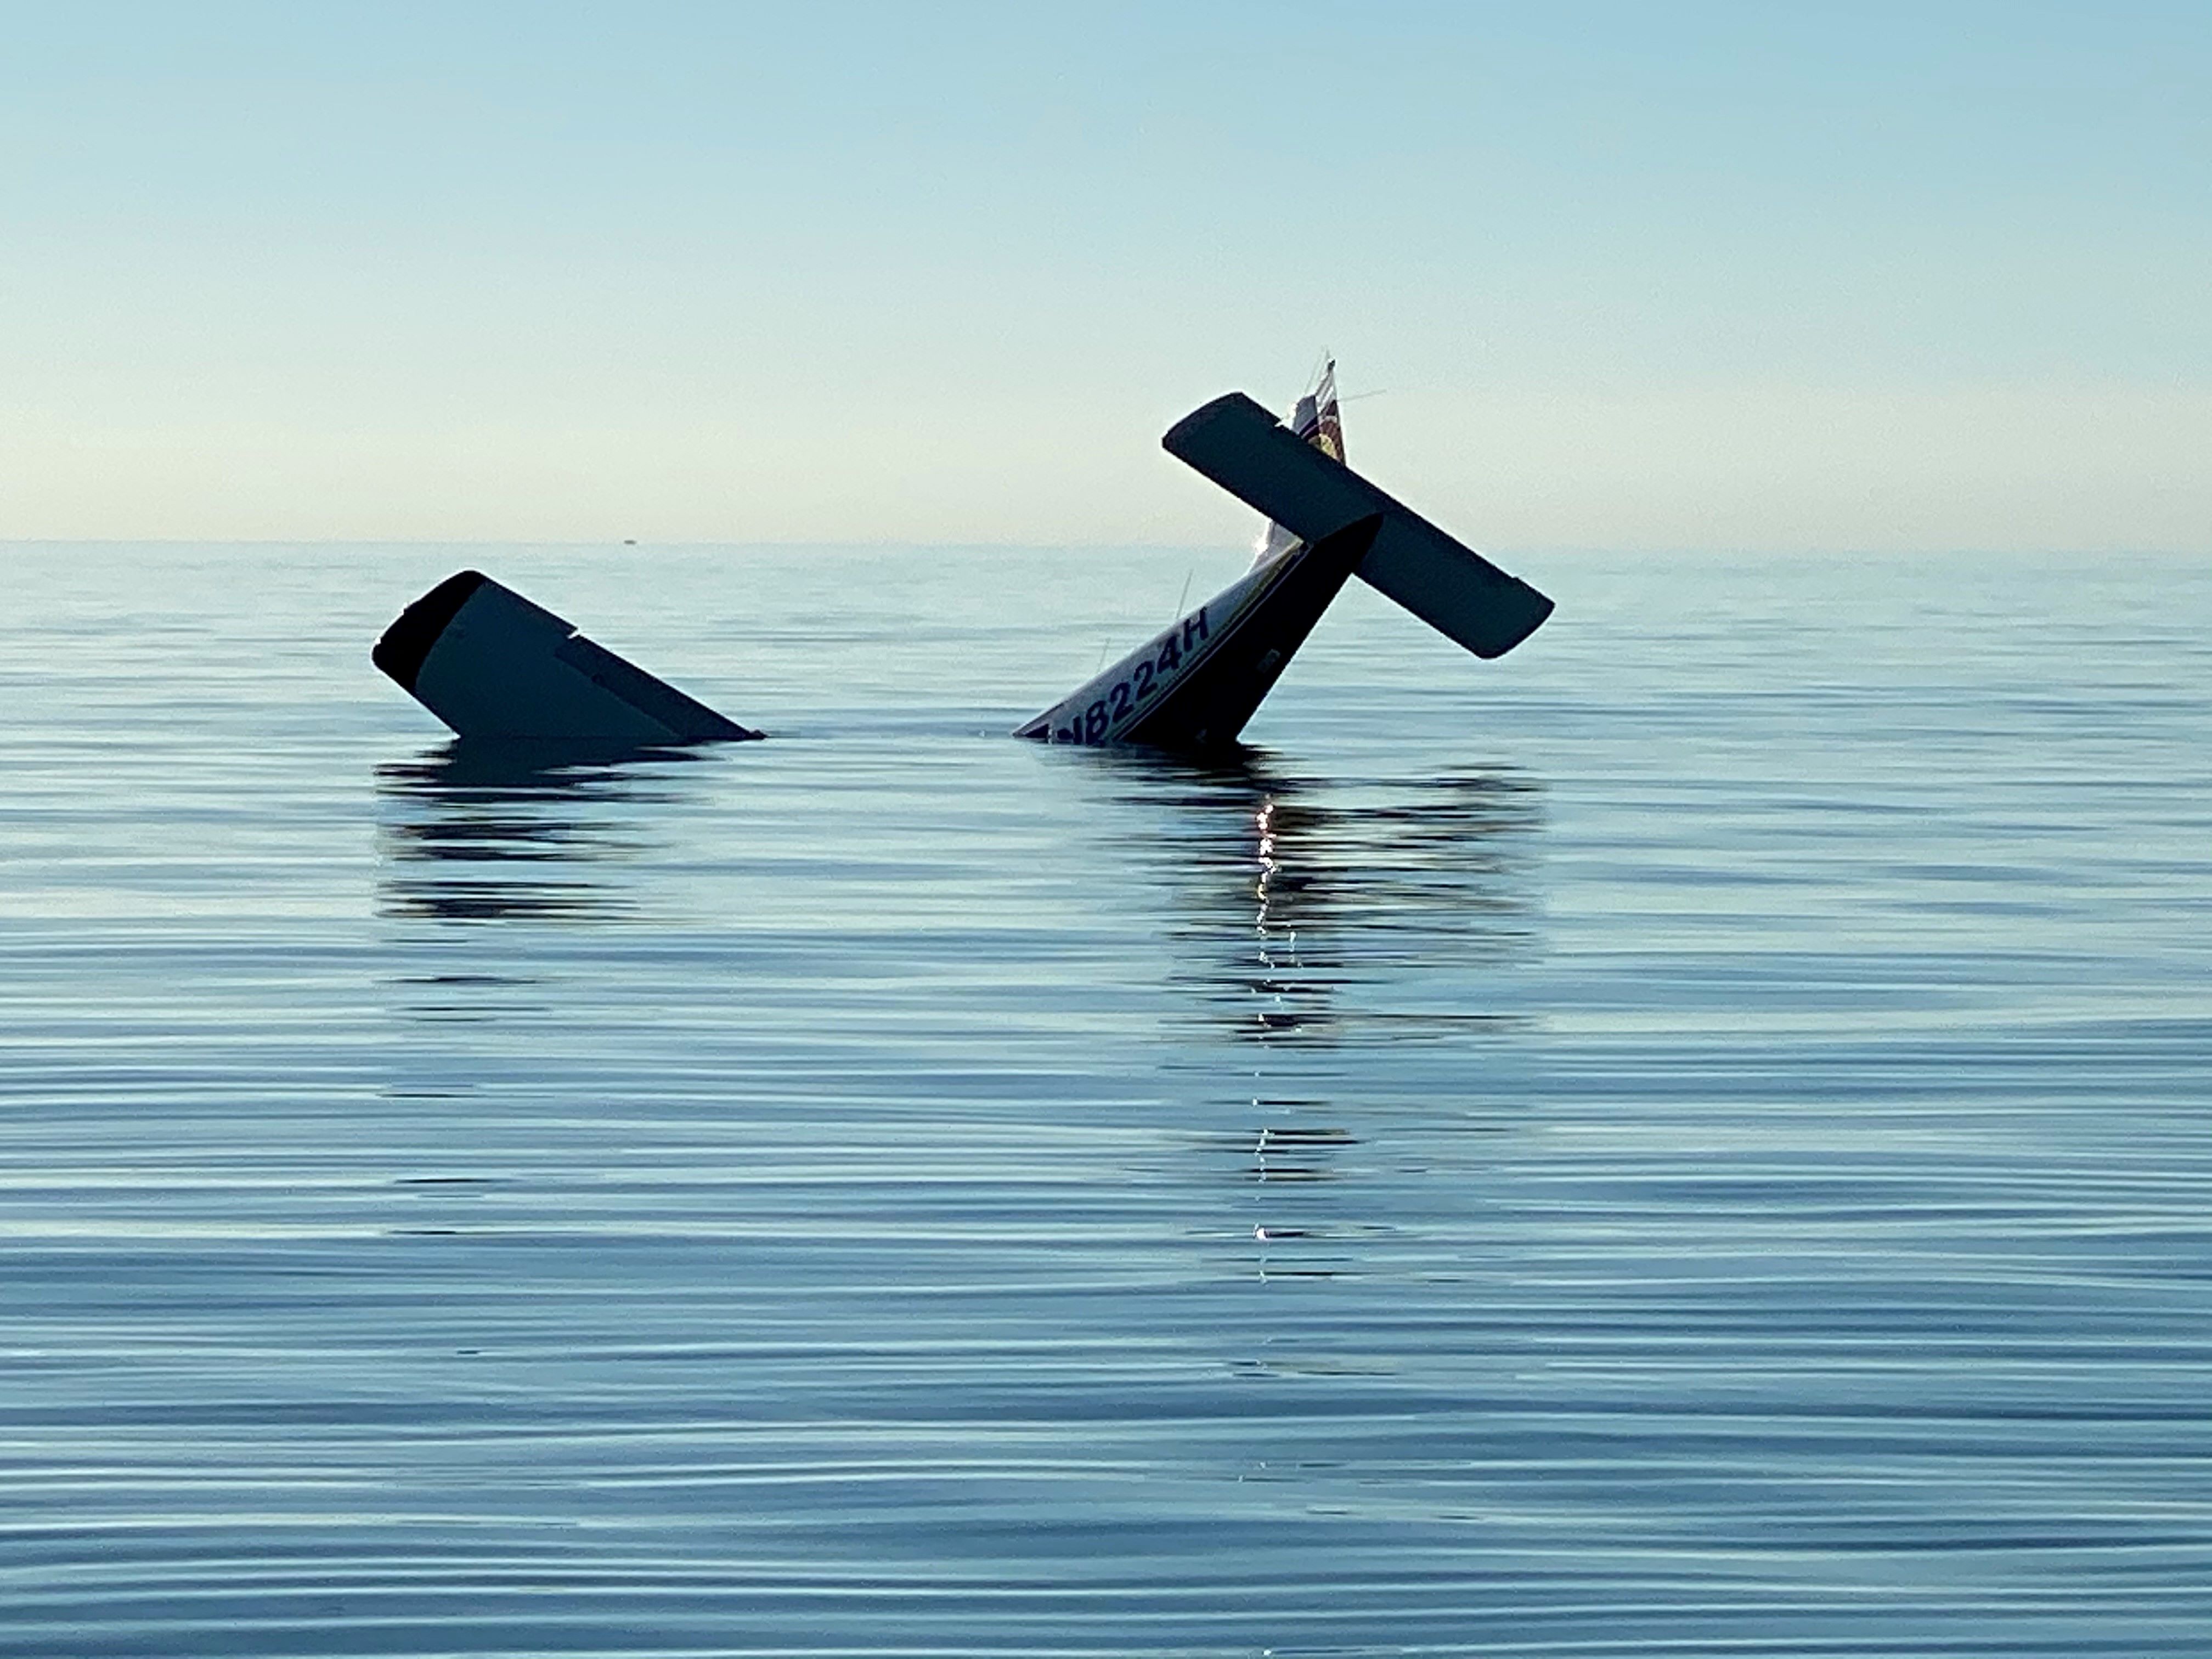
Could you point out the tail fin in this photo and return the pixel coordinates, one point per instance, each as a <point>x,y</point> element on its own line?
<point>1317,420</point>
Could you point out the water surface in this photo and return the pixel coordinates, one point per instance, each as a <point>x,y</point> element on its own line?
<point>1691,1139</point>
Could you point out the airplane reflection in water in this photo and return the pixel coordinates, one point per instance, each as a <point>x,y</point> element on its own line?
<point>1287,892</point>
<point>1329,1015</point>
<point>1303,919</point>
<point>487,832</point>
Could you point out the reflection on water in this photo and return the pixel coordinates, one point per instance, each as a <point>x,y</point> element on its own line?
<point>1332,945</point>
<point>492,831</point>
<point>1288,893</point>
<point>1291,1152</point>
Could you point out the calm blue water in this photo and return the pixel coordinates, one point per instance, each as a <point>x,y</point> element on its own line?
<point>1695,1138</point>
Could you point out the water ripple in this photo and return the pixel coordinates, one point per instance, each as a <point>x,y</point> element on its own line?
<point>1691,1140</point>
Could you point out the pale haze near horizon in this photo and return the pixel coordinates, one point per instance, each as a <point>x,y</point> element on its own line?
<point>1873,277</point>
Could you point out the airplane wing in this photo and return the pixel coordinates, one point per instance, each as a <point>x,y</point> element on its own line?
<point>490,663</point>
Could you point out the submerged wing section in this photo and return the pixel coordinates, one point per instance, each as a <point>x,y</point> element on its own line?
<point>1244,449</point>
<point>1194,687</point>
<point>490,663</point>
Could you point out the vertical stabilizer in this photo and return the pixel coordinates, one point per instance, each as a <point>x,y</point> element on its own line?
<point>1316,419</point>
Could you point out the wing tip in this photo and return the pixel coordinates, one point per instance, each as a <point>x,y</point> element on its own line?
<point>401,649</point>
<point>1539,609</point>
<point>1229,405</point>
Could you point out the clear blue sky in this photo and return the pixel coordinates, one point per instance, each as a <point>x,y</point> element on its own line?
<point>1632,275</point>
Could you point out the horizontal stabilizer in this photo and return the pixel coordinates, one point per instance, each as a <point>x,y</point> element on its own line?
<point>490,663</point>
<point>1244,449</point>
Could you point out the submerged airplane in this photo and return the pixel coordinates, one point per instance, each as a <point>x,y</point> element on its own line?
<point>1325,523</point>
<point>490,663</point>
